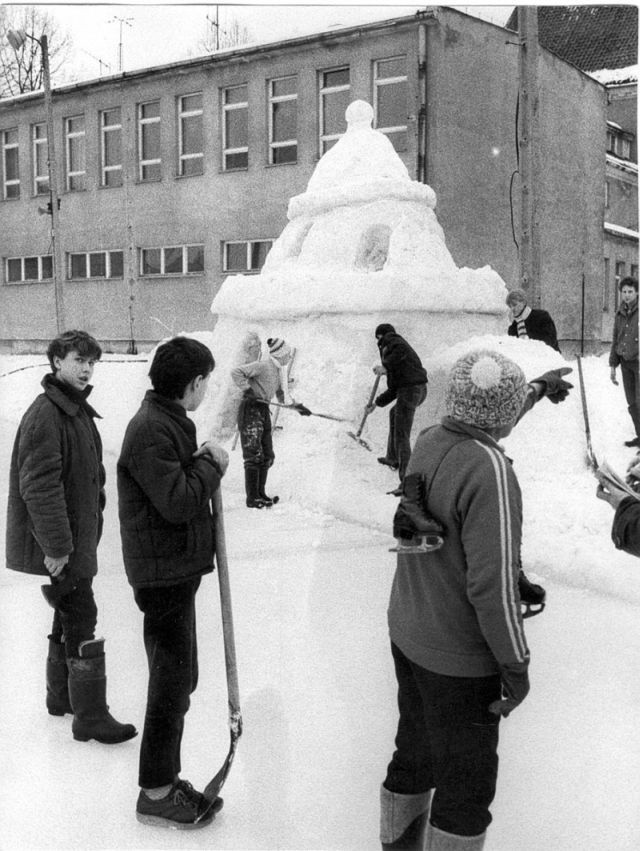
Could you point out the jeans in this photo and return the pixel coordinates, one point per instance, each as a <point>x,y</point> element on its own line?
<point>629,370</point>
<point>400,425</point>
<point>170,642</point>
<point>254,422</point>
<point>75,617</point>
<point>447,740</point>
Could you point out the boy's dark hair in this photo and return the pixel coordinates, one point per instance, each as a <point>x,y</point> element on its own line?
<point>628,282</point>
<point>176,363</point>
<point>70,341</point>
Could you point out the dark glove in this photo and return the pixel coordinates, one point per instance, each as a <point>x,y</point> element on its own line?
<point>249,395</point>
<point>555,388</point>
<point>515,687</point>
<point>301,409</point>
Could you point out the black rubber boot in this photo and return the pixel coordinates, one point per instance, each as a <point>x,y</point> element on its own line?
<point>252,487</point>
<point>57,680</point>
<point>88,695</point>
<point>262,483</point>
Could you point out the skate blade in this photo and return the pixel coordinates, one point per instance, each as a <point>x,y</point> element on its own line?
<point>429,545</point>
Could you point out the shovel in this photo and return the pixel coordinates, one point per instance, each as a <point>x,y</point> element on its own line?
<point>356,436</point>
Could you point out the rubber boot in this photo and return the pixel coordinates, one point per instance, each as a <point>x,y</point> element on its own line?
<point>439,840</point>
<point>403,820</point>
<point>88,695</point>
<point>57,680</point>
<point>252,487</point>
<point>262,483</point>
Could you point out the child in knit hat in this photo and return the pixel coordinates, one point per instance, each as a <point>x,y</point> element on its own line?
<point>458,643</point>
<point>260,380</point>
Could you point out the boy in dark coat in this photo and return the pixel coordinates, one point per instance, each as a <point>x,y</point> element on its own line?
<point>530,323</point>
<point>624,351</point>
<point>407,386</point>
<point>165,485</point>
<point>54,524</point>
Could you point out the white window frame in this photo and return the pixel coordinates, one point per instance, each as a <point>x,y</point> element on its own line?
<point>143,122</point>
<point>22,260</point>
<point>6,147</point>
<point>230,107</point>
<point>40,181</point>
<point>105,130</point>
<point>164,248</point>
<point>71,136</point>
<point>183,115</point>
<point>249,243</point>
<point>273,100</point>
<point>325,91</point>
<point>378,83</point>
<point>87,255</point>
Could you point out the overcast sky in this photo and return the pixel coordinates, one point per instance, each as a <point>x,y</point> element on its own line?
<point>154,34</point>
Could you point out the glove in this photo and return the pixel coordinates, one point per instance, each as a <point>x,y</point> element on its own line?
<point>515,687</point>
<point>555,388</point>
<point>302,409</point>
<point>249,395</point>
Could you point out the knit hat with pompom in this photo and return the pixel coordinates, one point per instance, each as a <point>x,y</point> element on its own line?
<point>485,389</point>
<point>278,349</point>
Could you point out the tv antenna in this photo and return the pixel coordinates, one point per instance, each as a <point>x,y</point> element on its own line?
<point>121,21</point>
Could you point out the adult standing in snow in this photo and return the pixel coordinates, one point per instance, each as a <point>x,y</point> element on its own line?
<point>530,323</point>
<point>407,386</point>
<point>624,351</point>
<point>54,524</point>
<point>260,380</point>
<point>165,485</point>
<point>625,531</point>
<point>457,637</point>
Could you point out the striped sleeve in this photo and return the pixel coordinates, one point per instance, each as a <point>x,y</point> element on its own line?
<point>491,534</point>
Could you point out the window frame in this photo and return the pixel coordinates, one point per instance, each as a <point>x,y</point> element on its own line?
<point>324,91</point>
<point>24,280</point>
<point>273,100</point>
<point>6,147</point>
<point>231,107</point>
<point>185,115</point>
<point>70,137</point>
<point>142,123</point>
<point>249,243</point>
<point>186,272</point>
<point>380,82</point>
<point>40,181</point>
<point>106,129</point>
<point>87,257</point>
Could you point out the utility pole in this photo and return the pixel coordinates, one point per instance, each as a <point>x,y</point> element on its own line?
<point>529,152</point>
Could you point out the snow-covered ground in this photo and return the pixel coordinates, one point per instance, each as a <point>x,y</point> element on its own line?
<point>310,580</point>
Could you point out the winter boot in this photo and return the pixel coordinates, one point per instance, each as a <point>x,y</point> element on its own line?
<point>88,695</point>
<point>533,597</point>
<point>182,808</point>
<point>252,487</point>
<point>262,482</point>
<point>57,680</point>
<point>403,820</point>
<point>438,840</point>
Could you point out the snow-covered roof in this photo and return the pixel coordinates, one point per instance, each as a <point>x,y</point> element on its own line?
<point>616,76</point>
<point>624,165</point>
<point>618,230</point>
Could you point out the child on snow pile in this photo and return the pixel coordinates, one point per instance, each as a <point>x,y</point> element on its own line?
<point>624,351</point>
<point>625,531</point>
<point>54,524</point>
<point>455,624</point>
<point>260,380</point>
<point>165,485</point>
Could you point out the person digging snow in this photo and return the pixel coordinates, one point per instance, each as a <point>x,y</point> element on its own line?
<point>455,622</point>
<point>261,380</point>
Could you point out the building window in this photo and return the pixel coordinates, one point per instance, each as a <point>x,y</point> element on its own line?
<point>96,264</point>
<point>606,289</point>
<point>40,154</point>
<point>175,260</point>
<point>10,165</point>
<point>618,141</point>
<point>19,269</point>
<point>390,99</point>
<point>634,271</point>
<point>283,120</point>
<point>335,92</point>
<point>149,159</point>
<point>235,128</point>
<point>607,190</point>
<point>191,144</point>
<point>111,147</point>
<point>245,256</point>
<point>75,152</point>
<point>620,274</point>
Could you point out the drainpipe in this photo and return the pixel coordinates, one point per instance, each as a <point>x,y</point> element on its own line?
<point>427,17</point>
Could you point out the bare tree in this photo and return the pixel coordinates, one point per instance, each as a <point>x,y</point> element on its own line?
<point>21,70</point>
<point>221,35</point>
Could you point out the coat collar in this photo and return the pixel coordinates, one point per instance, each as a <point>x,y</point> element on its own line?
<point>66,398</point>
<point>472,431</point>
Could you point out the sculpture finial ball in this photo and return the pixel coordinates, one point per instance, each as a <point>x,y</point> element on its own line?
<point>359,114</point>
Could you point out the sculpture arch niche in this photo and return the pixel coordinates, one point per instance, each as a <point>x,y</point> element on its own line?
<point>373,248</point>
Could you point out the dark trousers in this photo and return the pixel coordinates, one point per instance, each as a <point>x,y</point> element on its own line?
<point>400,425</point>
<point>75,617</point>
<point>256,439</point>
<point>629,370</point>
<point>172,655</point>
<point>447,740</point>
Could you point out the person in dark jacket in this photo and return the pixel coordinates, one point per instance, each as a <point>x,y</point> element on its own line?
<point>54,524</point>
<point>624,351</point>
<point>530,323</point>
<point>455,623</point>
<point>625,530</point>
<point>165,485</point>
<point>407,386</point>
